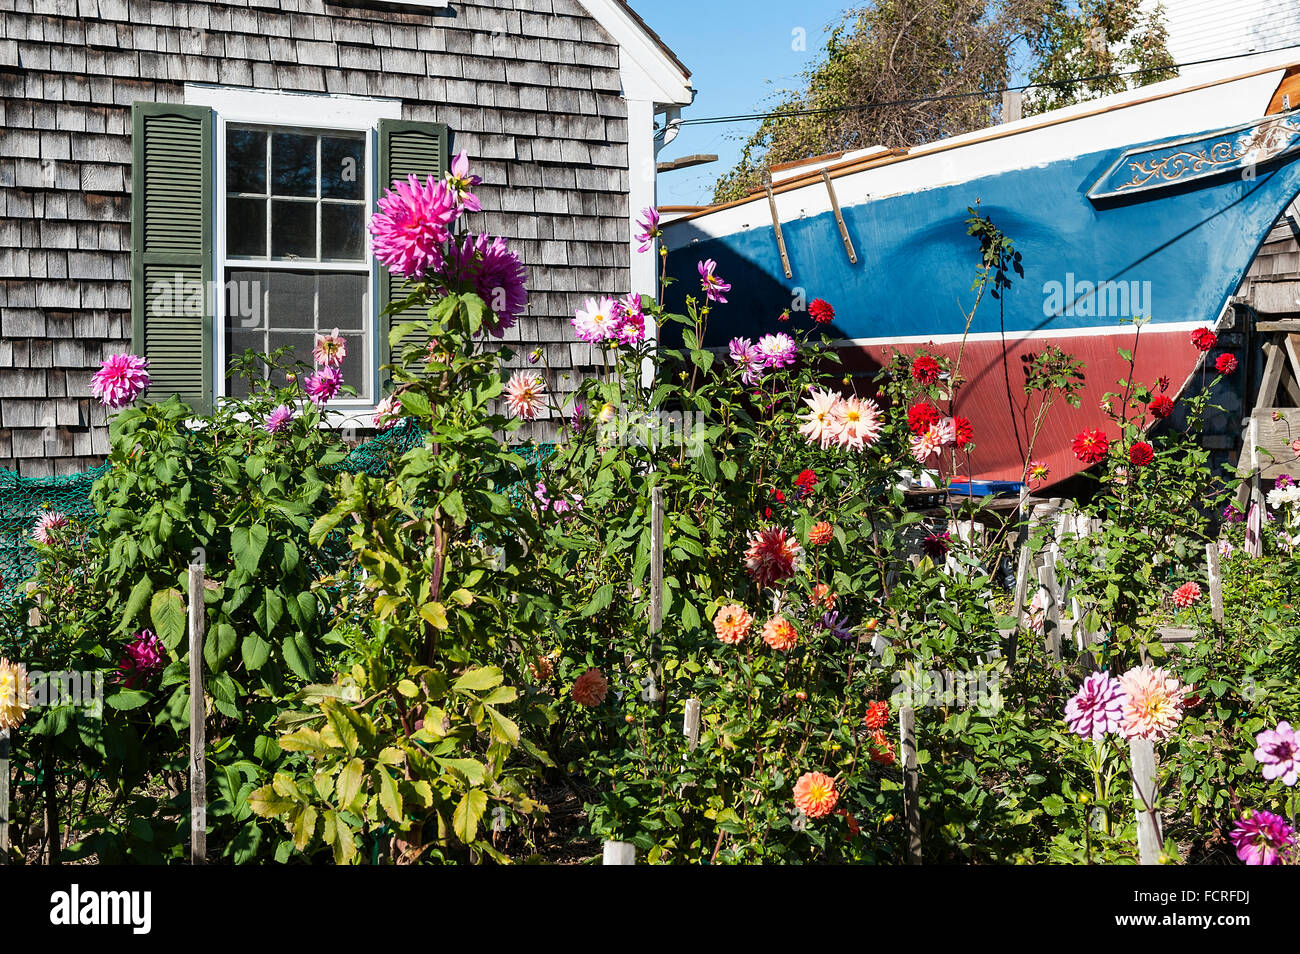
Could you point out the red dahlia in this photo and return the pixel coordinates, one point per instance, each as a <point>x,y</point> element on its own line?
<point>963,430</point>
<point>1204,339</point>
<point>1226,364</point>
<point>806,480</point>
<point>925,370</point>
<point>1161,406</point>
<point>1091,446</point>
<point>821,311</point>
<point>921,415</point>
<point>1141,454</point>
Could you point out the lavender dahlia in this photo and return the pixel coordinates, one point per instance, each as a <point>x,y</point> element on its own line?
<point>777,351</point>
<point>1279,753</point>
<point>1097,707</point>
<point>649,230</point>
<point>496,274</point>
<point>747,358</point>
<point>462,183</point>
<point>837,625</point>
<point>1262,838</point>
<point>279,419</point>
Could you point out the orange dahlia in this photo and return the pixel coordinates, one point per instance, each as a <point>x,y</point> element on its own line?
<point>820,534</point>
<point>822,596</point>
<point>732,623</point>
<point>779,633</point>
<point>877,716</point>
<point>882,749</point>
<point>590,688</point>
<point>815,795</point>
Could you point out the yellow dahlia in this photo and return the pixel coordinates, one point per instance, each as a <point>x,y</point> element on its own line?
<point>779,633</point>
<point>732,623</point>
<point>815,795</point>
<point>13,694</point>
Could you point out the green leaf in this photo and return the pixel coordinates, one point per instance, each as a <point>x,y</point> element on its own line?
<point>255,651</point>
<point>136,601</point>
<point>247,544</point>
<point>1053,805</point>
<point>390,799</point>
<point>478,680</point>
<point>350,782</point>
<point>220,643</point>
<point>127,699</point>
<point>468,812</point>
<point>167,612</point>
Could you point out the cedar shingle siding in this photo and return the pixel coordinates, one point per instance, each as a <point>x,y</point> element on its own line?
<point>529,88</point>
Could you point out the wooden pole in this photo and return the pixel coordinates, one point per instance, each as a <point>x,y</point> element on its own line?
<point>691,723</point>
<point>1216,581</point>
<point>653,691</point>
<point>198,719</point>
<point>619,853</point>
<point>1051,610</point>
<point>4,796</point>
<point>911,782</point>
<point>1142,759</point>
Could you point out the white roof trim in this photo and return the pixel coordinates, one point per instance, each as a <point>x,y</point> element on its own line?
<point>653,76</point>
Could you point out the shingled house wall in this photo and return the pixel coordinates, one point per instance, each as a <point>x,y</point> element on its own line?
<point>530,89</point>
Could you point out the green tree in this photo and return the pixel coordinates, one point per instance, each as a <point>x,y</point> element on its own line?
<point>902,72</point>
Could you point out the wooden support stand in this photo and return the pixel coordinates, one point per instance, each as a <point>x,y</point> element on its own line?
<point>198,720</point>
<point>911,783</point>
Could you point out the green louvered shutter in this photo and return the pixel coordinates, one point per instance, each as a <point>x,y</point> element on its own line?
<point>171,249</point>
<point>405,148</point>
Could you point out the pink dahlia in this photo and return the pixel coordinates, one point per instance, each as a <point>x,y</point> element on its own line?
<point>121,379</point>
<point>629,320</point>
<point>47,526</point>
<point>412,224</point>
<point>496,274</point>
<point>590,688</point>
<point>329,350</point>
<point>387,412</point>
<point>1187,594</point>
<point>649,230</point>
<point>1279,753</point>
<point>144,656</point>
<point>858,422</point>
<point>462,183</point>
<point>711,284</point>
<point>820,423</point>
<point>777,351</point>
<point>747,359</point>
<point>934,440</point>
<point>1096,708</point>
<point>279,419</point>
<point>525,394</point>
<point>771,556</point>
<point>596,320</point>
<point>1153,703</point>
<point>323,385</point>
<point>1262,838</point>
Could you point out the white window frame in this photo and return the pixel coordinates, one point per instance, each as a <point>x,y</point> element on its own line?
<point>240,106</point>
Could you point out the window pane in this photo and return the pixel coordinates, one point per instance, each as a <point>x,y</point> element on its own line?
<point>340,232</point>
<point>293,229</point>
<point>300,342</point>
<point>354,365</point>
<point>245,160</point>
<point>342,168</point>
<point>343,301</point>
<point>246,298</point>
<point>239,340</point>
<point>293,164</point>
<point>292,302</point>
<point>246,227</point>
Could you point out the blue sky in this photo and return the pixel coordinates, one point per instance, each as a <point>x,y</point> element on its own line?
<point>739,52</point>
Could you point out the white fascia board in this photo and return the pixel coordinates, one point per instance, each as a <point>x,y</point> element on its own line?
<point>334,111</point>
<point>648,73</point>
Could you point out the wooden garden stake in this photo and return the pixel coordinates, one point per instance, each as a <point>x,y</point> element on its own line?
<point>691,723</point>
<point>1142,759</point>
<point>4,796</point>
<point>619,853</point>
<point>1216,581</point>
<point>1051,610</point>
<point>911,783</point>
<point>198,718</point>
<point>653,693</point>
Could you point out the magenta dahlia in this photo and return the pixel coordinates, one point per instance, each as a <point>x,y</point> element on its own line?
<point>497,276</point>
<point>121,379</point>
<point>411,225</point>
<point>1262,838</point>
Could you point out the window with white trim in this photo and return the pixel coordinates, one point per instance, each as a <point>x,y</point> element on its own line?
<point>295,262</point>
